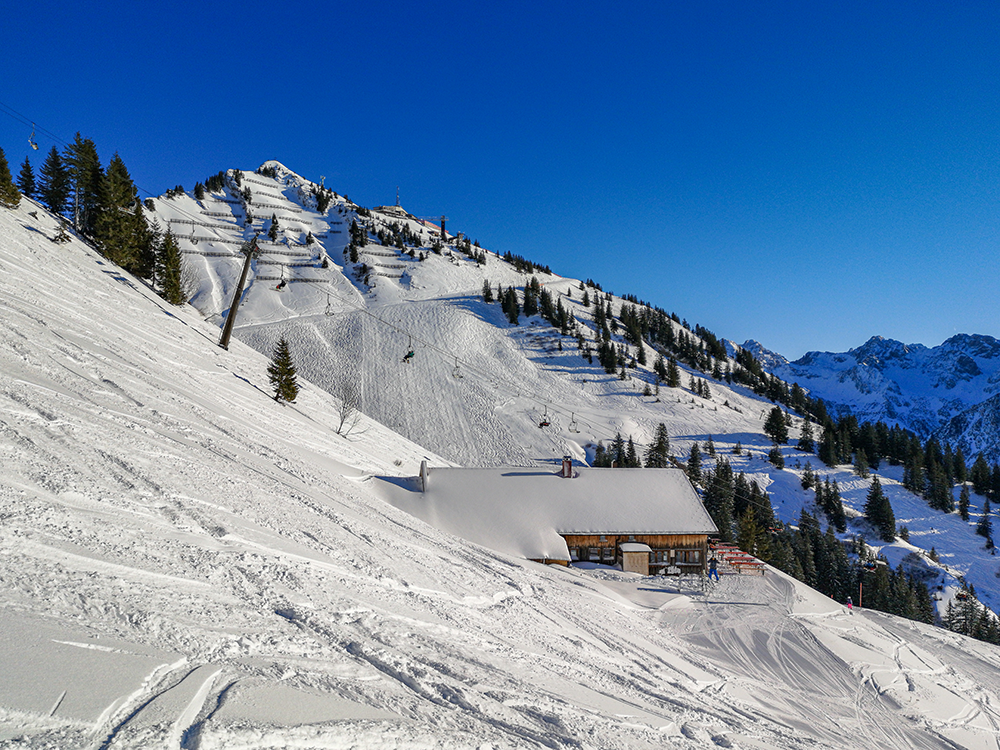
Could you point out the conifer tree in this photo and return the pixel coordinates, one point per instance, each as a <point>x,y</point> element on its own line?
<point>281,373</point>
<point>694,464</point>
<point>980,476</point>
<point>85,173</point>
<point>985,525</point>
<point>673,374</point>
<point>116,227</point>
<point>963,503</point>
<point>272,231</point>
<point>487,291</point>
<point>861,463</point>
<point>719,498</point>
<point>631,457</point>
<point>879,511</point>
<point>26,179</point>
<point>168,272</point>
<point>10,197</point>
<point>54,183</point>
<point>806,441</point>
<point>775,427</point>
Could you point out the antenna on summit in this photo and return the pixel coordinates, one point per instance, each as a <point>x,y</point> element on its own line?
<point>397,196</point>
<point>322,179</point>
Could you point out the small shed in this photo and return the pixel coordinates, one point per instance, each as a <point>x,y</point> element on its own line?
<point>634,557</point>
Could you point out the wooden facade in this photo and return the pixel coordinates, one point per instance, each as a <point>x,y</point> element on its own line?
<point>671,554</point>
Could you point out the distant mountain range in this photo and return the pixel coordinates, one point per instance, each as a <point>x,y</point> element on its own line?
<point>951,391</point>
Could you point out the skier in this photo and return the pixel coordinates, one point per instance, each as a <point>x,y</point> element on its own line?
<point>408,356</point>
<point>850,605</point>
<point>713,569</point>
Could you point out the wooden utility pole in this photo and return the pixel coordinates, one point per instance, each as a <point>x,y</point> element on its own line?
<point>250,250</point>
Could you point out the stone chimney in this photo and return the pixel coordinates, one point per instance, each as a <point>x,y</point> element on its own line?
<point>567,467</point>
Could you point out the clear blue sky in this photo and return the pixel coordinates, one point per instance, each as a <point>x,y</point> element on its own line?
<point>805,174</point>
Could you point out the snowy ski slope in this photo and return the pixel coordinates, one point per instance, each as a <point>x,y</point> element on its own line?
<point>186,563</point>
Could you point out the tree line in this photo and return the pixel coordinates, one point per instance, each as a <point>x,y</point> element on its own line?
<point>102,203</point>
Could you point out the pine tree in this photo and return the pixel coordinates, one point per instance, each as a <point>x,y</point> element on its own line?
<point>985,525</point>
<point>26,179</point>
<point>719,498</point>
<point>806,441</point>
<point>963,503</point>
<point>775,427</point>
<point>10,197</point>
<point>861,463</point>
<point>980,476</point>
<point>54,183</point>
<point>673,374</point>
<point>116,227</point>
<point>631,457</point>
<point>168,270</point>
<point>487,291</point>
<point>281,373</point>
<point>658,453</point>
<point>84,169</point>
<point>879,511</point>
<point>272,231</point>
<point>694,464</point>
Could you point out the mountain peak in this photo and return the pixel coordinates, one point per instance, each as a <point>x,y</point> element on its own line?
<point>878,351</point>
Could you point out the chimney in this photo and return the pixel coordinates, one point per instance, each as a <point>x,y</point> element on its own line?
<point>567,467</point>
<point>424,473</point>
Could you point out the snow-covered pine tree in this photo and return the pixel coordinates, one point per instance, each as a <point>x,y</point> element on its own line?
<point>281,373</point>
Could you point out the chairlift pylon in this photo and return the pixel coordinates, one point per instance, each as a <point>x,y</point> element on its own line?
<point>31,138</point>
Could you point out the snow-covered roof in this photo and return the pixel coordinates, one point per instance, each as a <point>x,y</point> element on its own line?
<point>523,511</point>
<point>635,547</point>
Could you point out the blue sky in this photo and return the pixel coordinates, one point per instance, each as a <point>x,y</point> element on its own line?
<point>806,174</point>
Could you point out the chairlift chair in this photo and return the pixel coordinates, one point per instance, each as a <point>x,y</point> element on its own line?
<point>573,427</point>
<point>545,418</point>
<point>31,138</point>
<point>457,371</point>
<point>410,354</point>
<point>329,307</point>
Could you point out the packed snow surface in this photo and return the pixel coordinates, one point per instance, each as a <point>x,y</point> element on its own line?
<point>186,563</point>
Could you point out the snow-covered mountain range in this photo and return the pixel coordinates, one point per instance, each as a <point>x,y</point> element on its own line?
<point>949,390</point>
<point>189,564</point>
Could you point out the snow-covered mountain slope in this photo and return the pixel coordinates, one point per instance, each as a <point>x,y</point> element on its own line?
<point>927,390</point>
<point>355,322</point>
<point>515,377</point>
<point>187,563</point>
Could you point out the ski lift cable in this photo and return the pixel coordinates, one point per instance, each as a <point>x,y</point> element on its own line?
<point>482,375</point>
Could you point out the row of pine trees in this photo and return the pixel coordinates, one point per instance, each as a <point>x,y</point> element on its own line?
<point>102,203</point>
